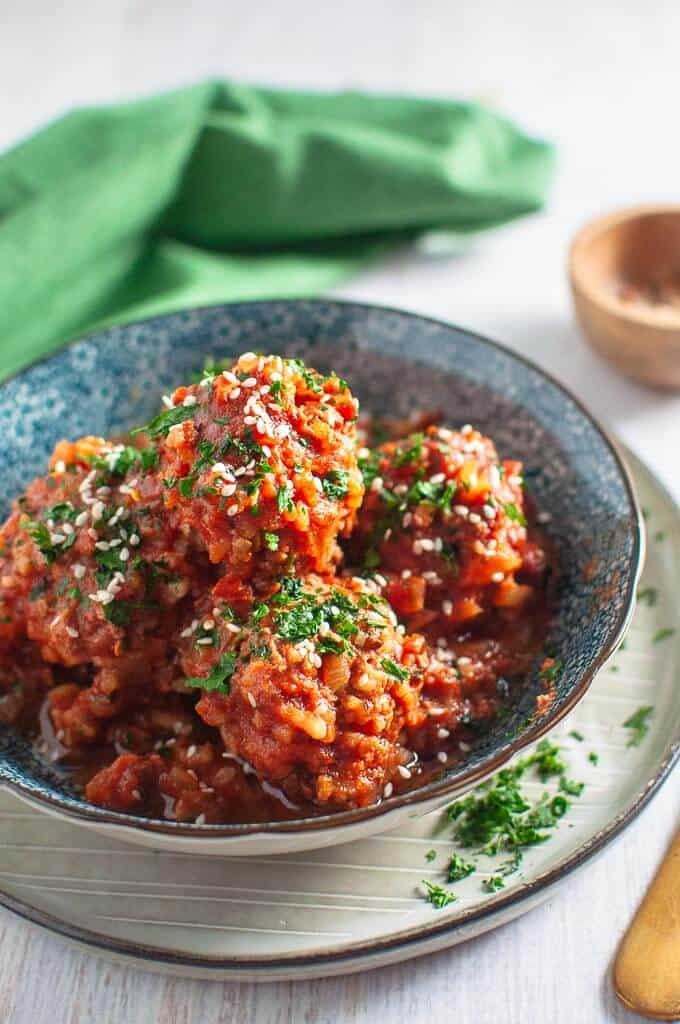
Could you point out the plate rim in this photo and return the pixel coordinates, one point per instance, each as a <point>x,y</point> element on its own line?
<point>407,943</point>
<point>446,787</point>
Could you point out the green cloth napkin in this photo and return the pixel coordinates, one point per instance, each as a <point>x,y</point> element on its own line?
<point>220,191</point>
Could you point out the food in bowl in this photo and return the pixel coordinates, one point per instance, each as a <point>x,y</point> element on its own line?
<point>250,611</point>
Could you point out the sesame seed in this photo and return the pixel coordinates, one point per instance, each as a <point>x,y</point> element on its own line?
<point>464,746</point>
<point>251,700</point>
<point>116,543</point>
<point>466,428</point>
<point>60,466</point>
<point>186,632</point>
<point>461,510</point>
<point>234,393</point>
<point>463,660</point>
<point>98,509</point>
<point>388,790</point>
<point>200,820</point>
<point>417,547</point>
<point>124,554</point>
<point>189,401</point>
<point>205,641</point>
<point>167,402</point>
<point>498,577</point>
<point>442,733</point>
<point>404,771</point>
<point>406,574</point>
<point>82,518</point>
<point>102,545</point>
<point>136,794</point>
<point>250,382</point>
<point>442,756</point>
<point>134,539</point>
<point>78,570</point>
<point>377,484</point>
<point>57,538</point>
<point>104,491</point>
<point>265,389</point>
<point>407,520</point>
<point>474,518</point>
<point>232,510</point>
<point>191,750</point>
<point>67,529</point>
<point>232,627</point>
<point>489,511</point>
<point>438,478</point>
<point>250,420</point>
<point>447,607</point>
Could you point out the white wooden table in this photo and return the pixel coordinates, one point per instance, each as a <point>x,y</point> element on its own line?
<point>602,80</point>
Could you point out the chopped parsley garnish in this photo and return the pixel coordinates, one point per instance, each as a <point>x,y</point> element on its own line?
<point>118,462</point>
<point>493,884</point>
<point>302,616</point>
<point>369,466</point>
<point>290,589</point>
<point>160,425</point>
<point>394,670</point>
<point>62,513</point>
<point>550,671</point>
<point>271,541</point>
<point>405,456</point>
<point>512,512</point>
<point>638,724</point>
<point>459,868</point>
<point>576,735</point>
<point>430,855</point>
<point>259,612</point>
<point>119,612</point>
<point>335,484</point>
<point>499,818</point>
<point>311,378</point>
<point>49,548</point>
<point>219,679</point>
<point>275,389</point>
<point>593,757</point>
<point>648,596</point>
<point>662,634</point>
<point>438,896</point>
<point>284,497</point>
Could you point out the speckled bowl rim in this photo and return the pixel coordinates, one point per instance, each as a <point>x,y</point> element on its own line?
<point>456,780</point>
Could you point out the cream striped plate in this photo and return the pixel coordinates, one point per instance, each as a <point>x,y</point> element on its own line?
<point>360,905</point>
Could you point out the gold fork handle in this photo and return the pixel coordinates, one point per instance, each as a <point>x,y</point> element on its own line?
<point>647,968</point>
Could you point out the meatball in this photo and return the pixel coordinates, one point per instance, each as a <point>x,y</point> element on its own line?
<point>259,463</point>
<point>312,690</point>
<point>444,522</point>
<point>92,576</point>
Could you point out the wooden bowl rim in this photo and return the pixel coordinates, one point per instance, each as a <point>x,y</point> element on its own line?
<point>659,320</point>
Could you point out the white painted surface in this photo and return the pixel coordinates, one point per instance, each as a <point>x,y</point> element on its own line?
<point>602,79</point>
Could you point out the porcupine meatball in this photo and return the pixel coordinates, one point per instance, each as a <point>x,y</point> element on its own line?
<point>310,690</point>
<point>260,463</point>
<point>444,521</point>
<point>444,524</point>
<point>91,578</point>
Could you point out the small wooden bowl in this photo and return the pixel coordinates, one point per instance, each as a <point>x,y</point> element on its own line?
<point>625,278</point>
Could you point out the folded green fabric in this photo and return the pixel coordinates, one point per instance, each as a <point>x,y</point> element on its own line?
<point>220,192</point>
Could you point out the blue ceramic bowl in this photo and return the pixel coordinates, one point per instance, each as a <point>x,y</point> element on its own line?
<point>396,362</point>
